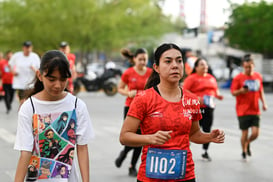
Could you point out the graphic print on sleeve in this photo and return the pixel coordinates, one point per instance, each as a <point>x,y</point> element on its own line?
<point>54,145</point>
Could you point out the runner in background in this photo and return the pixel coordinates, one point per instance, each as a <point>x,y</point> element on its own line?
<point>7,78</point>
<point>24,65</point>
<point>132,81</point>
<point>2,60</point>
<point>168,117</point>
<point>65,48</point>
<point>247,87</point>
<point>204,86</point>
<point>189,62</point>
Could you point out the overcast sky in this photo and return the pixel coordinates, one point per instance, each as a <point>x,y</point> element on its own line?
<point>216,16</point>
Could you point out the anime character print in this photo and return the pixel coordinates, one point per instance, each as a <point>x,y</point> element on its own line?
<point>41,122</point>
<point>70,132</point>
<point>61,123</point>
<point>67,155</point>
<point>61,171</point>
<point>45,169</point>
<point>50,143</point>
<point>33,168</point>
<point>45,121</point>
<point>54,144</point>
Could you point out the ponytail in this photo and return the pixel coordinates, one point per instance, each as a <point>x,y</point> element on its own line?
<point>128,54</point>
<point>153,80</point>
<point>38,86</point>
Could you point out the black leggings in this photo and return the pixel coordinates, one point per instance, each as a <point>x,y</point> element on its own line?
<point>206,122</point>
<point>9,93</point>
<point>137,150</point>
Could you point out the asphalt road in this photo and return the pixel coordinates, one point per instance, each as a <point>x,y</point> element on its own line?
<point>107,113</point>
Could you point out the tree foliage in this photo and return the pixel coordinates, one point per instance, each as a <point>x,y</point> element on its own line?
<point>251,27</point>
<point>87,24</point>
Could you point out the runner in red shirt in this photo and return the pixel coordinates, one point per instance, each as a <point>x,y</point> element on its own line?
<point>168,117</point>
<point>7,78</point>
<point>65,48</point>
<point>2,93</point>
<point>247,87</point>
<point>132,81</point>
<point>204,86</point>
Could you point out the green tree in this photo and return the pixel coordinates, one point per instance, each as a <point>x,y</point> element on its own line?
<point>251,27</point>
<point>87,24</point>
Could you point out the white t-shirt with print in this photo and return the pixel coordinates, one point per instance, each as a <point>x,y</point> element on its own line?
<point>22,66</point>
<point>25,133</point>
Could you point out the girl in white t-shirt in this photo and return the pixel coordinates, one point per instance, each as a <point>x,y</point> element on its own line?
<point>47,152</point>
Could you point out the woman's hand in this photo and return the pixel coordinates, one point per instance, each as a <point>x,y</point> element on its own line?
<point>220,97</point>
<point>264,107</point>
<point>217,136</point>
<point>201,100</point>
<point>243,90</point>
<point>132,93</point>
<point>160,137</point>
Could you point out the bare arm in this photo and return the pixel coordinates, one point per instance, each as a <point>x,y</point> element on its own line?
<point>13,71</point>
<point>199,137</point>
<point>123,90</point>
<point>240,91</point>
<point>82,153</point>
<point>33,69</point>
<point>73,72</point>
<point>263,99</point>
<point>22,166</point>
<point>218,95</point>
<point>129,137</point>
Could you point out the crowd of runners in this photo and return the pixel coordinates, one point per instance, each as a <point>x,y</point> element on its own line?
<point>166,107</point>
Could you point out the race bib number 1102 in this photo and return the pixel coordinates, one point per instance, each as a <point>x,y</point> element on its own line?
<point>166,164</point>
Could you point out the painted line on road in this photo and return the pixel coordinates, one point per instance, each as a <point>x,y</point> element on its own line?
<point>112,129</point>
<point>7,136</point>
<point>107,130</point>
<point>10,174</point>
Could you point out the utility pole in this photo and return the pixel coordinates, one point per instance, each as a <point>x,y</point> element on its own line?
<point>203,16</point>
<point>182,11</point>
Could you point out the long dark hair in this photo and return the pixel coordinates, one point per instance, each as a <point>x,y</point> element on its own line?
<point>62,115</point>
<point>51,61</point>
<point>130,56</point>
<point>65,157</point>
<point>196,64</point>
<point>154,79</point>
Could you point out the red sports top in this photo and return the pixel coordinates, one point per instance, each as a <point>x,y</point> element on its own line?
<point>201,85</point>
<point>7,76</point>
<point>248,103</point>
<point>134,81</point>
<point>156,113</point>
<point>71,59</point>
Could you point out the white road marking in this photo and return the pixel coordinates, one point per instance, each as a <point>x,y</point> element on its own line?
<point>7,136</point>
